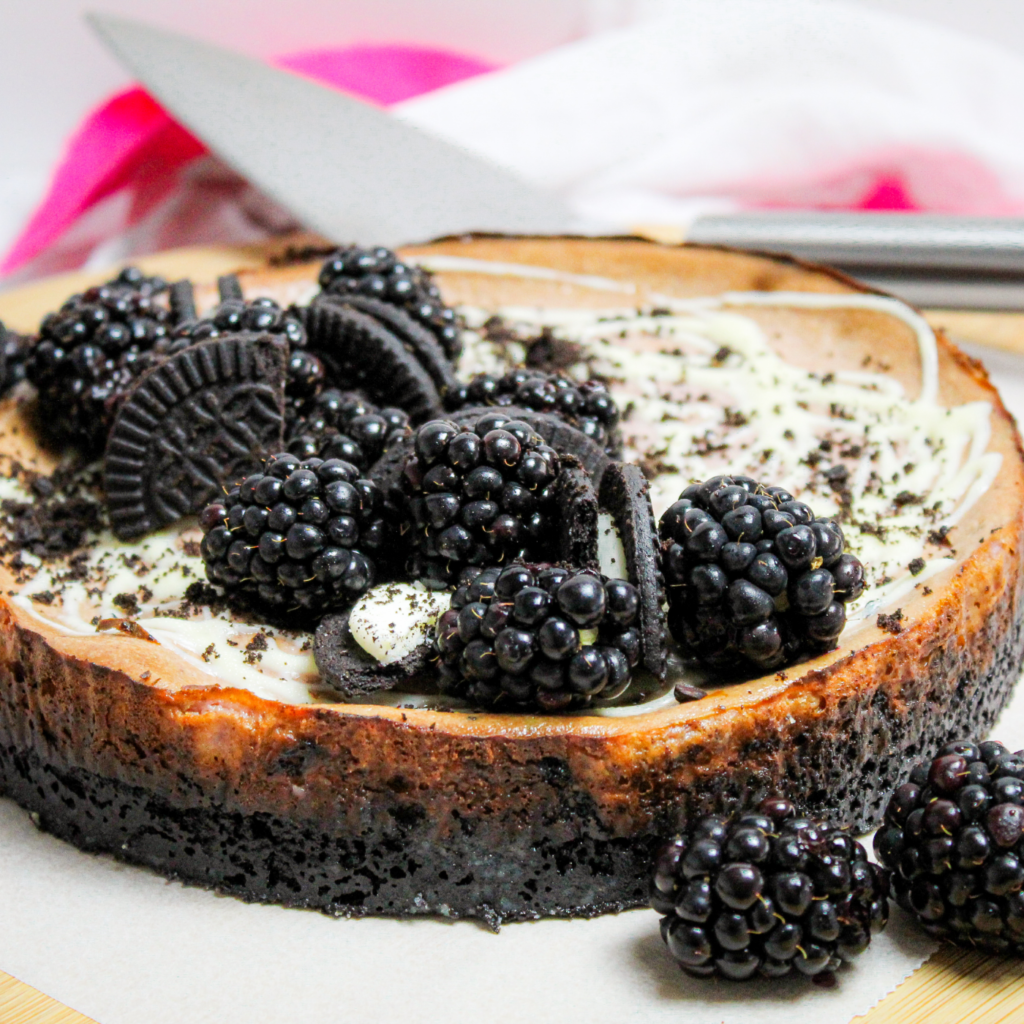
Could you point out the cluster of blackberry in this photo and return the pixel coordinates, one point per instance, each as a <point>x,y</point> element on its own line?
<point>767,893</point>
<point>953,837</point>
<point>379,274</point>
<point>299,535</point>
<point>479,495</point>
<point>346,425</point>
<point>754,578</point>
<point>587,406</point>
<point>543,636</point>
<point>90,352</point>
<point>263,316</point>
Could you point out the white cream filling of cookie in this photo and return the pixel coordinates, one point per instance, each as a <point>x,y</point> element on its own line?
<point>391,620</point>
<point>704,393</point>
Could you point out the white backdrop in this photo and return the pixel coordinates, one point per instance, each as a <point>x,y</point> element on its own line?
<point>52,70</point>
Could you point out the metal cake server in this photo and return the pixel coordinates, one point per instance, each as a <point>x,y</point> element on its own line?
<point>345,168</point>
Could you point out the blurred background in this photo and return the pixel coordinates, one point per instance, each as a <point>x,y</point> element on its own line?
<point>54,72</point>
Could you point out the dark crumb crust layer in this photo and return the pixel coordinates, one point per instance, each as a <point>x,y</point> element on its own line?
<point>308,808</point>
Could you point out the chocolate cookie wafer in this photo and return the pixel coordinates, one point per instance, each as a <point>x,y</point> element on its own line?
<point>417,339</point>
<point>578,508</point>
<point>624,493</point>
<point>200,420</point>
<point>357,350</point>
<point>350,671</point>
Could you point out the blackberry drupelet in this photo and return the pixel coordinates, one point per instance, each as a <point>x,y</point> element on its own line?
<point>766,892</point>
<point>378,273</point>
<point>299,535</point>
<point>587,406</point>
<point>953,837</point>
<point>346,425</point>
<point>538,636</point>
<point>754,578</point>
<point>480,495</point>
<point>89,354</point>
<point>265,316</point>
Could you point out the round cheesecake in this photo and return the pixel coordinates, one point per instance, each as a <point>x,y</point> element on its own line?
<point>207,748</point>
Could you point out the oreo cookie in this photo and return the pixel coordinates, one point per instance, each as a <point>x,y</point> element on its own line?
<point>229,287</point>
<point>358,351</point>
<point>182,299</point>
<point>566,440</point>
<point>578,508</point>
<point>202,419</point>
<point>351,672</point>
<point>416,338</point>
<point>625,494</point>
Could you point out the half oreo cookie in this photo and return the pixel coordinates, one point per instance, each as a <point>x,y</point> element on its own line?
<point>578,508</point>
<point>358,351</point>
<point>625,494</point>
<point>348,669</point>
<point>202,419</point>
<point>417,339</point>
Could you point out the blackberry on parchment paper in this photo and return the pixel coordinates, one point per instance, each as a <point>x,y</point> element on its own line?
<point>480,495</point>
<point>546,637</point>
<point>90,352</point>
<point>299,535</point>
<point>379,274</point>
<point>754,578</point>
<point>953,836</point>
<point>586,405</point>
<point>766,893</point>
<point>346,425</point>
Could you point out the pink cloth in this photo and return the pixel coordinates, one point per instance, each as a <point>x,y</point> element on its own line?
<point>130,142</point>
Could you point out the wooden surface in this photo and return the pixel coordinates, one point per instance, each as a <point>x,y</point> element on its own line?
<point>953,987</point>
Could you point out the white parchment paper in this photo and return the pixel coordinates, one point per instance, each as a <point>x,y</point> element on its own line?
<point>124,946</point>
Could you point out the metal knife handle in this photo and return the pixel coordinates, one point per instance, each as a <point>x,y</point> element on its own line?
<point>874,239</point>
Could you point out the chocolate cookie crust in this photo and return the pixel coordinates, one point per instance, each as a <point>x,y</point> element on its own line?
<point>361,809</point>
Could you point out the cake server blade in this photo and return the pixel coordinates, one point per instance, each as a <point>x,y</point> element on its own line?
<point>343,167</point>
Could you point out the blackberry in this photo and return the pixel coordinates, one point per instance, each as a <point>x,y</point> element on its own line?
<point>299,535</point>
<point>953,837</point>
<point>754,578</point>
<point>14,350</point>
<point>89,354</point>
<point>480,495</point>
<point>766,893</point>
<point>538,636</point>
<point>346,425</point>
<point>264,316</point>
<point>587,406</point>
<point>378,273</point>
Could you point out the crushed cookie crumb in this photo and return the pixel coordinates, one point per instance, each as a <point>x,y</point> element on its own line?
<point>916,566</point>
<point>891,623</point>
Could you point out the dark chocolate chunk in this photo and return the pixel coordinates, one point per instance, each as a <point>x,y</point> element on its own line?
<point>348,669</point>
<point>557,433</point>
<point>577,510</point>
<point>357,350</point>
<point>229,287</point>
<point>182,301</point>
<point>416,338</point>
<point>625,494</point>
<point>202,419</point>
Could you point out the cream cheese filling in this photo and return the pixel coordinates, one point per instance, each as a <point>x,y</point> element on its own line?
<point>704,393</point>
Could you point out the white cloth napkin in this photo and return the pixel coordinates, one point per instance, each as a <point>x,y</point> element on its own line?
<point>742,102</point>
